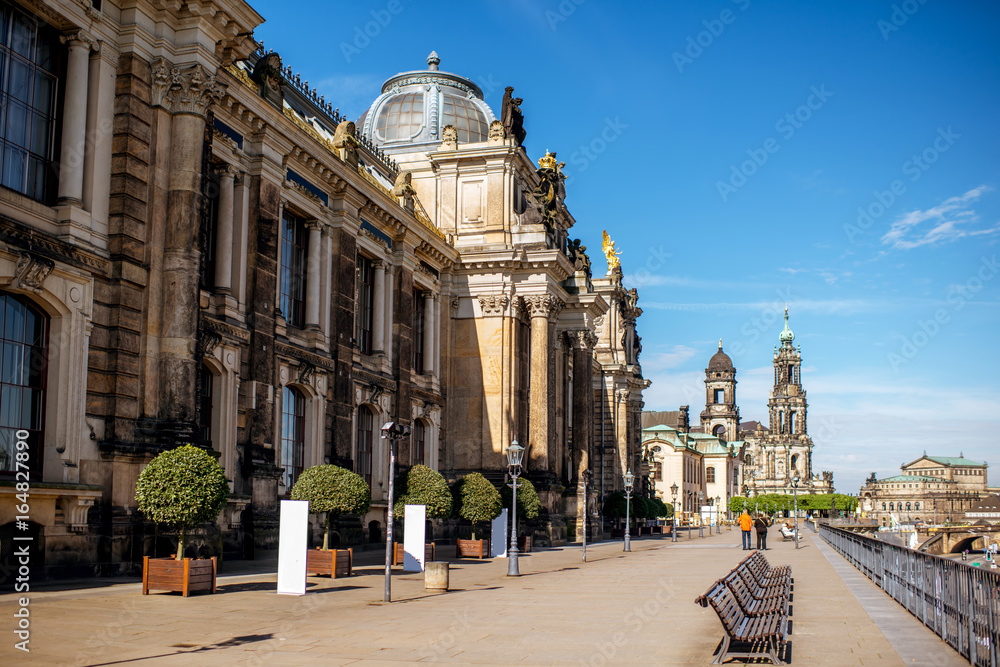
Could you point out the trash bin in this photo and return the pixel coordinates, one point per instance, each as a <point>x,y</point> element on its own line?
<point>436,575</point>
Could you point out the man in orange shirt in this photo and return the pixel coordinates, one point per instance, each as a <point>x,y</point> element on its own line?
<point>746,525</point>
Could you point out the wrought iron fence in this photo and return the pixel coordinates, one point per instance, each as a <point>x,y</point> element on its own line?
<point>956,600</point>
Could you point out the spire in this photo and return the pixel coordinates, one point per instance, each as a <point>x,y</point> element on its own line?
<point>786,335</point>
<point>433,61</point>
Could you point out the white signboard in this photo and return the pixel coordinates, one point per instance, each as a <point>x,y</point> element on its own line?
<point>498,540</point>
<point>293,540</point>
<point>413,537</point>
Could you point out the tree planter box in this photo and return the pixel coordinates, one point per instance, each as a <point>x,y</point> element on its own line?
<point>524,543</point>
<point>331,562</point>
<point>398,552</point>
<point>472,548</point>
<point>181,576</point>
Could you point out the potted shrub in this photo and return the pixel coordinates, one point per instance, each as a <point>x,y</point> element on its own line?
<point>422,486</point>
<point>478,501</point>
<point>334,491</point>
<point>180,489</point>
<point>528,507</point>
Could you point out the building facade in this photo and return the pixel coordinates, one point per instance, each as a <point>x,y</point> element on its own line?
<point>932,489</point>
<point>195,246</point>
<point>774,456</point>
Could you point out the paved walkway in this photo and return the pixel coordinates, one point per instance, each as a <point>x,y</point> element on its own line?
<point>616,609</point>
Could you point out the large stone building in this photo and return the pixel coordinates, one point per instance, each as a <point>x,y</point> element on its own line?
<point>932,489</point>
<point>775,455</point>
<point>196,246</point>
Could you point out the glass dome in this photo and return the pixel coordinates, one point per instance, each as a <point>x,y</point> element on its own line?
<point>415,107</point>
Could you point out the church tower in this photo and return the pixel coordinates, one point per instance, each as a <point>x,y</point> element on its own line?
<point>787,405</point>
<point>721,416</point>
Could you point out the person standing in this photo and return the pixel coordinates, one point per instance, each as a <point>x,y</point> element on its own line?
<point>746,523</point>
<point>761,523</point>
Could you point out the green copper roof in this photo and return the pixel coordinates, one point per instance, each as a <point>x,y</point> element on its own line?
<point>955,461</point>
<point>786,335</point>
<point>911,478</point>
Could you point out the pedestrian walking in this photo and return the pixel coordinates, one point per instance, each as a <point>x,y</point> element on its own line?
<point>746,523</point>
<point>761,524</point>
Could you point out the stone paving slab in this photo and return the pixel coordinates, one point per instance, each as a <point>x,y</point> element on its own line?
<point>617,609</point>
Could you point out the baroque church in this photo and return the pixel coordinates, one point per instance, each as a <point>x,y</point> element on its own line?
<point>197,246</point>
<point>773,455</point>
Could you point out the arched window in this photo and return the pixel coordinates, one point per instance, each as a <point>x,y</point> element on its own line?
<point>883,506</point>
<point>791,428</point>
<point>365,436</point>
<point>418,442</point>
<point>719,430</point>
<point>293,435</point>
<point>710,475</point>
<point>891,507</point>
<point>916,506</point>
<point>23,364</point>
<point>907,507</point>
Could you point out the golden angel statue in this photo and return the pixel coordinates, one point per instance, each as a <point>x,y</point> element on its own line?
<point>611,253</point>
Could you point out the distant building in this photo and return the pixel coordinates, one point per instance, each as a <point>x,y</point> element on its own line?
<point>986,510</point>
<point>775,455</point>
<point>932,488</point>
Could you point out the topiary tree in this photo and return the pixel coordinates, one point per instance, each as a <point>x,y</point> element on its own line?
<point>528,504</point>
<point>477,500</point>
<point>661,510</point>
<point>333,490</point>
<point>423,486</point>
<point>182,488</point>
<point>614,505</point>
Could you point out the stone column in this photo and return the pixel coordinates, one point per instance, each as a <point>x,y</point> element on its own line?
<point>429,324</point>
<point>437,335</point>
<point>74,129</point>
<point>186,93</point>
<point>543,311</point>
<point>224,232</point>
<point>378,308</point>
<point>313,274</point>
<point>100,130</point>
<point>582,343</point>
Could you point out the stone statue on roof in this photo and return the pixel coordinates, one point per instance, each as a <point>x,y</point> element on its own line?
<point>511,116</point>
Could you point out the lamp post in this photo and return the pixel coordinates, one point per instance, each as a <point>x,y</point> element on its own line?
<point>514,455</point>
<point>586,514</point>
<point>718,519</point>
<point>701,524</point>
<point>795,494</point>
<point>690,502</point>
<point>673,495</point>
<point>629,480</point>
<point>392,432</point>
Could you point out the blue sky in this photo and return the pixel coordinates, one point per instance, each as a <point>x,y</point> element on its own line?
<point>842,158</point>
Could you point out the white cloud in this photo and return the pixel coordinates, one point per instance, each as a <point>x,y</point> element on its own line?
<point>951,220</point>
<point>658,361</point>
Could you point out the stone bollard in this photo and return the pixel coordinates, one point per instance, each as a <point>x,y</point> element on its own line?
<point>436,575</point>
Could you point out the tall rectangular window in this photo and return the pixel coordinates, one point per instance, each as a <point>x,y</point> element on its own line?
<point>418,332</point>
<point>720,396</point>
<point>710,475</point>
<point>294,238</point>
<point>418,443</point>
<point>366,428</point>
<point>365,307</point>
<point>29,79</point>
<point>23,365</point>
<point>658,468</point>
<point>293,436</point>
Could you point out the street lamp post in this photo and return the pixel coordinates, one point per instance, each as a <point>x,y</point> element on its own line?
<point>629,480</point>
<point>514,455</point>
<point>795,494</point>
<point>392,432</point>
<point>718,519</point>
<point>673,496</point>
<point>586,515</point>
<point>701,524</point>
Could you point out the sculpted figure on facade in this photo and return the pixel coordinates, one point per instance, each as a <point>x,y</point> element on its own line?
<point>511,116</point>
<point>346,143</point>
<point>403,188</point>
<point>267,74</point>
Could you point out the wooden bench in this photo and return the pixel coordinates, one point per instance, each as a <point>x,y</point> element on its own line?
<point>331,562</point>
<point>398,553</point>
<point>752,603</point>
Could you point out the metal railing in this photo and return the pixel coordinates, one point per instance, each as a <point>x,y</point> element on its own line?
<point>957,601</point>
